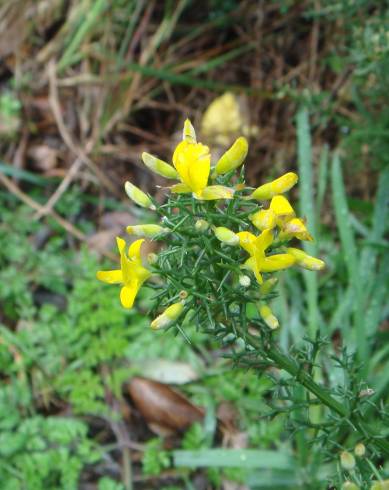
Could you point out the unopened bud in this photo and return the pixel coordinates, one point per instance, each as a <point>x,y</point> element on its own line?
<point>159,166</point>
<point>169,316</point>
<point>138,196</point>
<point>347,460</point>
<point>306,261</point>
<point>277,186</point>
<point>201,225</point>
<point>244,281</point>
<point>152,258</point>
<point>268,285</point>
<point>183,294</point>
<point>233,157</point>
<point>226,236</point>
<point>349,485</point>
<point>360,450</point>
<point>148,231</point>
<point>366,392</point>
<point>189,133</point>
<point>268,317</point>
<point>380,485</point>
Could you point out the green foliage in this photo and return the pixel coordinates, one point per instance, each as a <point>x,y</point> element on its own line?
<point>155,458</point>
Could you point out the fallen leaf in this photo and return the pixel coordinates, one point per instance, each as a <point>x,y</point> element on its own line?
<point>164,371</point>
<point>165,410</point>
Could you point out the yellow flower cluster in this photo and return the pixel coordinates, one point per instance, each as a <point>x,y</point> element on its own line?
<point>278,223</point>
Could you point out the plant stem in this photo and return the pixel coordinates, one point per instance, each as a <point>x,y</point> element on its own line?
<point>292,367</point>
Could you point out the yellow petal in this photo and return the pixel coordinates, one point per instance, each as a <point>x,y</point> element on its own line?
<point>159,166</point>
<point>252,264</point>
<point>268,285</point>
<point>199,172</point>
<point>264,219</point>
<point>296,227</point>
<point>127,296</point>
<point>110,277</point>
<point>134,249</point>
<point>180,188</point>
<point>181,163</point>
<point>233,157</point>
<point>263,242</point>
<point>246,241</point>
<point>277,262</point>
<point>277,186</point>
<point>214,192</point>
<point>281,207</point>
<point>121,244</point>
<point>189,133</point>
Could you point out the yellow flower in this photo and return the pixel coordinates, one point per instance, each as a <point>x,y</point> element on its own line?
<point>138,196</point>
<point>149,231</point>
<point>282,214</point>
<point>278,186</point>
<point>131,273</point>
<point>306,261</point>
<point>233,157</point>
<point>192,161</point>
<point>169,316</point>
<point>256,247</point>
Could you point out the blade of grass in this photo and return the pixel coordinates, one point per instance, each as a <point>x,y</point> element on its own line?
<point>307,209</point>
<point>349,249</point>
<point>233,458</point>
<point>321,182</point>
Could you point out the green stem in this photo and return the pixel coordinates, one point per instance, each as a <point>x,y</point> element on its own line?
<point>292,367</point>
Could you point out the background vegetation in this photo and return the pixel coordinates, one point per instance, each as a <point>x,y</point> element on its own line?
<point>86,86</point>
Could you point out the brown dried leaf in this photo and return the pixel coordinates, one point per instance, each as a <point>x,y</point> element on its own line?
<point>163,408</point>
<point>44,157</point>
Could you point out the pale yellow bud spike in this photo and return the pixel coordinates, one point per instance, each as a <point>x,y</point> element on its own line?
<point>233,157</point>
<point>147,231</point>
<point>306,261</point>
<point>277,186</point>
<point>189,133</point>
<point>170,315</point>
<point>159,166</point>
<point>268,285</point>
<point>226,236</point>
<point>268,317</point>
<point>138,196</point>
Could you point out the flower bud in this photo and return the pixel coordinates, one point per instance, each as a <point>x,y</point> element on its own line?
<point>189,133</point>
<point>201,225</point>
<point>360,450</point>
<point>268,317</point>
<point>306,261</point>
<point>349,485</point>
<point>244,281</point>
<point>268,285</point>
<point>159,166</point>
<point>169,316</point>
<point>264,219</point>
<point>233,157</point>
<point>277,186</point>
<point>148,231</point>
<point>152,258</point>
<point>380,485</point>
<point>347,461</point>
<point>226,236</point>
<point>138,196</point>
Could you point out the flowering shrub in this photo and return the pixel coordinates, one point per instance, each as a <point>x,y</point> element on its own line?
<point>223,244</point>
